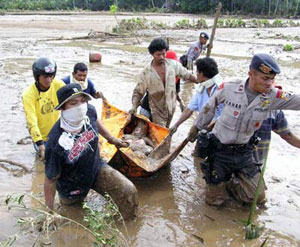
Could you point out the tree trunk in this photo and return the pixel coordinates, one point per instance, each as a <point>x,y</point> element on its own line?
<point>232,6</point>
<point>269,11</point>
<point>296,9</point>
<point>153,5</point>
<point>275,11</point>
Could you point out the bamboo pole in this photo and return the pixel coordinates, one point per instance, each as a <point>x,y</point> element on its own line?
<point>214,29</point>
<point>252,230</point>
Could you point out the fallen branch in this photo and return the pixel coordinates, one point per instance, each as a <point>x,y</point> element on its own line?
<point>14,163</point>
<point>91,35</point>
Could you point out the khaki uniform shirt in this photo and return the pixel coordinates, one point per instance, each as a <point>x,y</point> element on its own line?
<point>162,98</point>
<point>239,119</point>
<point>195,51</point>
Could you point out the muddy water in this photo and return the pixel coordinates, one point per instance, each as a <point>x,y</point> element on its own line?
<point>172,209</point>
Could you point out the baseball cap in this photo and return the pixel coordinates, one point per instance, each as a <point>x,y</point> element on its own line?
<point>68,92</point>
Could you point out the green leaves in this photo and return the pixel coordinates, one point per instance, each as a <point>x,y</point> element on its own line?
<point>99,224</point>
<point>113,9</point>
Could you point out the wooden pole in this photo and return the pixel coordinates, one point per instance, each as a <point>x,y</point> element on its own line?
<point>214,29</point>
<point>11,162</point>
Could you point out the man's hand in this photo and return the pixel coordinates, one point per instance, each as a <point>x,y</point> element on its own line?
<point>42,151</point>
<point>209,45</point>
<point>193,133</point>
<point>118,142</point>
<point>100,95</point>
<point>173,129</point>
<point>131,112</point>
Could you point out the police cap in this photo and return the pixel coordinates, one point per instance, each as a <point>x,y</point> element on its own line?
<point>265,64</point>
<point>204,35</point>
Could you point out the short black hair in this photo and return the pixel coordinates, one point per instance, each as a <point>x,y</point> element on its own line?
<point>80,67</point>
<point>158,45</point>
<point>207,66</point>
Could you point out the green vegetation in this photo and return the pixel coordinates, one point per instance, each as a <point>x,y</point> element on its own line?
<point>134,24</point>
<point>268,8</point>
<point>42,222</point>
<point>288,47</point>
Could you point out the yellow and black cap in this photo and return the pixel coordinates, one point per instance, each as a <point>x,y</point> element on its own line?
<point>265,64</point>
<point>68,92</point>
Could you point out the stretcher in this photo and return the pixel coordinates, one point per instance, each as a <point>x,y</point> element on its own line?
<point>126,160</point>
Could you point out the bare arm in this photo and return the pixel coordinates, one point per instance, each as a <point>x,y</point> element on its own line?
<point>49,191</point>
<point>103,131</point>
<point>193,79</point>
<point>184,116</point>
<point>291,139</point>
<point>111,139</point>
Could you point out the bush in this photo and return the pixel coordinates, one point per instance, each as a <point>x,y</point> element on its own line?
<point>288,47</point>
<point>184,23</point>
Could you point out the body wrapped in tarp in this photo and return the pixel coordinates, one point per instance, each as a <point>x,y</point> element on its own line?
<point>126,160</point>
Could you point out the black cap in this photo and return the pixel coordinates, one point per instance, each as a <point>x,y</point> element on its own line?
<point>68,92</point>
<point>204,35</point>
<point>265,64</point>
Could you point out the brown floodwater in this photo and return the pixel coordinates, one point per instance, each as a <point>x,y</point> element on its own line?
<point>172,210</point>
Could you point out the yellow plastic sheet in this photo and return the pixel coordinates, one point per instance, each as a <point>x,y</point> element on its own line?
<point>130,164</point>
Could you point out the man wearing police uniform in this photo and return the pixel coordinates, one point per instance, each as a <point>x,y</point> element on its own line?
<point>196,49</point>
<point>229,165</point>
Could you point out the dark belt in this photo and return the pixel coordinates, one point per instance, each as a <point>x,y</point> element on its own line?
<point>234,146</point>
<point>231,147</point>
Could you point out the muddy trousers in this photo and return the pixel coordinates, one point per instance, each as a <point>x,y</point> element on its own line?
<point>118,187</point>
<point>232,172</point>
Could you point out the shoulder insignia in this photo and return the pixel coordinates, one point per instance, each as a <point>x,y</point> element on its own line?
<point>279,91</point>
<point>196,49</point>
<point>282,95</point>
<point>221,86</point>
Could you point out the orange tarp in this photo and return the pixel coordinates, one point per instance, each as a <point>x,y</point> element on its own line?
<point>124,159</point>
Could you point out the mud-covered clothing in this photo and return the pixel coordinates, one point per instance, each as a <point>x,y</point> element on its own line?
<point>231,168</point>
<point>199,100</point>
<point>119,188</point>
<point>239,120</point>
<point>90,88</point>
<point>195,51</point>
<point>39,109</point>
<point>162,98</point>
<point>73,159</point>
<point>232,156</point>
<point>145,101</point>
<point>276,122</point>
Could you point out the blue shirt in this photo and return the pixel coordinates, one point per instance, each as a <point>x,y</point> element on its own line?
<point>277,122</point>
<point>90,88</point>
<point>199,100</point>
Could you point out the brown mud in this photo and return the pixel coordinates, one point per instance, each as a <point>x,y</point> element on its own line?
<point>172,209</point>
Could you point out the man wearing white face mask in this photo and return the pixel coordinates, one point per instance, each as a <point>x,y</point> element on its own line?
<point>73,162</point>
<point>207,74</point>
